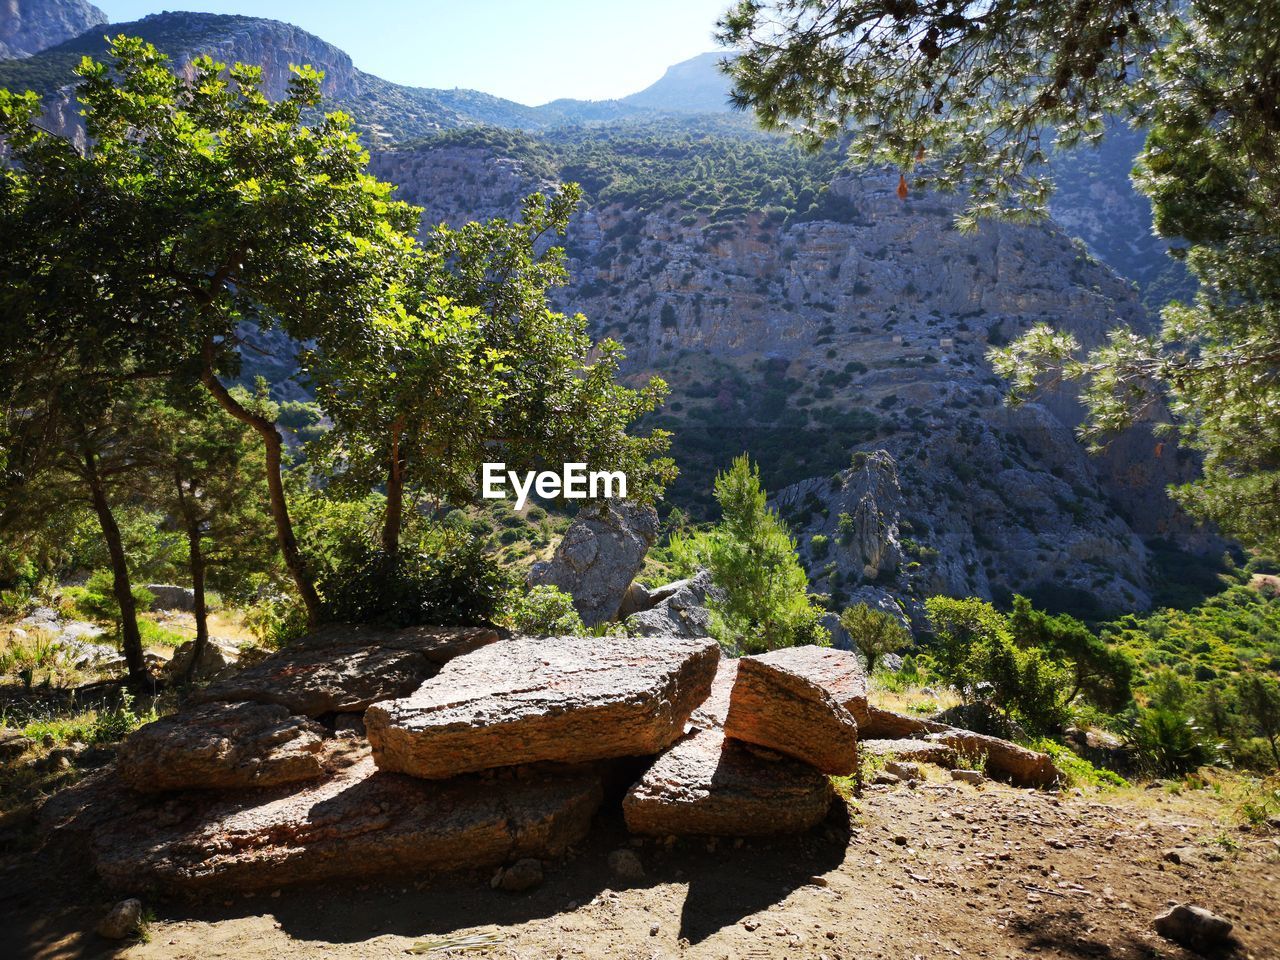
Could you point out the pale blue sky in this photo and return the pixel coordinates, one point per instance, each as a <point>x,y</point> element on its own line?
<point>530,51</point>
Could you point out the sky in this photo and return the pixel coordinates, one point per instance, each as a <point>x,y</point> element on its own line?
<point>530,51</point>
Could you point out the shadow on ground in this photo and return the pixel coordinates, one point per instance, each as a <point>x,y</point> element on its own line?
<point>50,901</point>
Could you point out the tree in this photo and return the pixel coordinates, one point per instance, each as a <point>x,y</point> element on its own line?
<point>979,95</point>
<point>1101,672</point>
<point>874,632</point>
<point>1259,698</point>
<point>753,559</point>
<point>201,205</point>
<point>481,369</point>
<point>975,652</point>
<point>204,473</point>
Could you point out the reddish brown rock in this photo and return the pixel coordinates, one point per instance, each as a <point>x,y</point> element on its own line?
<point>361,823</point>
<point>784,701</point>
<point>222,746</point>
<point>708,785</point>
<point>344,668</point>
<point>1023,767</point>
<point>566,699</point>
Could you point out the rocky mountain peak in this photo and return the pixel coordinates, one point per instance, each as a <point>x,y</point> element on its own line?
<point>29,26</point>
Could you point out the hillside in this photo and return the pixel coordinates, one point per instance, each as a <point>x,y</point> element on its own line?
<point>809,316</point>
<point>29,26</point>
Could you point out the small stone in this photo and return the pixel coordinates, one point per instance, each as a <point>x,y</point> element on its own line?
<point>903,770</point>
<point>1193,927</point>
<point>653,930</point>
<point>522,875</point>
<point>122,921</point>
<point>626,866</point>
<point>969,776</point>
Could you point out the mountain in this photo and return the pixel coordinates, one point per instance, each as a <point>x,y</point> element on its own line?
<point>29,26</point>
<point>694,86</point>
<point>805,314</point>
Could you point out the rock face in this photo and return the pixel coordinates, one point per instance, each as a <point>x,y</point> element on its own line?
<point>599,556</point>
<point>566,699</point>
<point>1008,760</point>
<point>708,785</point>
<point>360,823</point>
<point>29,26</point>
<point>781,701</point>
<point>222,746</point>
<point>343,669</point>
<point>680,610</point>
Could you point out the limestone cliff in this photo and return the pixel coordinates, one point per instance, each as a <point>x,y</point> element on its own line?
<point>29,26</point>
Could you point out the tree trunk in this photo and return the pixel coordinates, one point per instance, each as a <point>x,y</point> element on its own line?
<point>274,445</point>
<point>395,497</point>
<point>196,565</point>
<point>130,635</point>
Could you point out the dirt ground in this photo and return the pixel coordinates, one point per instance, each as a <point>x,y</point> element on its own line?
<point>940,871</point>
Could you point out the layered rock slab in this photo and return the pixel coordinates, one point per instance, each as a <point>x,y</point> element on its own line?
<point>361,823</point>
<point>709,785</point>
<point>1023,767</point>
<point>790,701</point>
<point>345,668</point>
<point>563,699</point>
<point>222,746</point>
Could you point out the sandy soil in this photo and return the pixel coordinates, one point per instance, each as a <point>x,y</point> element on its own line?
<point>939,871</point>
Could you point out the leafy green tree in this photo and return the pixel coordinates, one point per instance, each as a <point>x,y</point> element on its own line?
<point>483,368</point>
<point>544,610</point>
<point>753,558</point>
<point>1101,672</point>
<point>874,632</point>
<point>1259,698</point>
<point>199,204</point>
<point>979,95</point>
<point>205,468</point>
<point>974,651</point>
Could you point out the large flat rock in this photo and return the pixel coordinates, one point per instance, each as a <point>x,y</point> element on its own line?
<point>345,668</point>
<point>917,751</point>
<point>223,746</point>
<point>708,785</point>
<point>361,823</point>
<point>565,699</point>
<point>784,701</point>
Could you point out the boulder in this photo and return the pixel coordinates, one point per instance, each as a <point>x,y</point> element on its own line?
<point>626,866</point>
<point>974,777</point>
<point>345,668</point>
<point>13,744</point>
<point>218,655</point>
<point>599,556</point>
<point>358,824</point>
<point>565,699</point>
<point>786,701</point>
<point>123,921</point>
<point>1023,767</point>
<point>709,785</point>
<point>522,875</point>
<point>1193,927</point>
<point>222,746</point>
<point>679,610</point>
<point>915,751</point>
<point>170,596</point>
<point>903,769</point>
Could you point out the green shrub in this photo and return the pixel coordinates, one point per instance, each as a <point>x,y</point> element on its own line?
<point>544,610</point>
<point>1169,742</point>
<point>456,584</point>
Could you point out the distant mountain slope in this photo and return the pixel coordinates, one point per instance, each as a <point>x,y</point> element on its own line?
<point>29,26</point>
<point>696,85</point>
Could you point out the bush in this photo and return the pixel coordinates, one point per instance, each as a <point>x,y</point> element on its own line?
<point>457,584</point>
<point>1168,741</point>
<point>96,600</point>
<point>544,610</point>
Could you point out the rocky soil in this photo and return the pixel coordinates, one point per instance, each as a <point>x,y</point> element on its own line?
<point>939,871</point>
